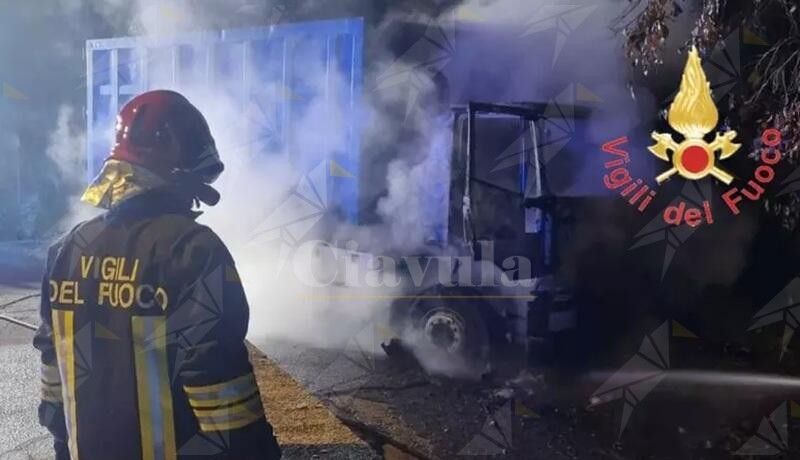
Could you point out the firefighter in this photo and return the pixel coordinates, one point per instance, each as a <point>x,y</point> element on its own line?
<point>143,314</point>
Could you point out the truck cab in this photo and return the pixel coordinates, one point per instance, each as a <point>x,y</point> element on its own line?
<point>490,279</point>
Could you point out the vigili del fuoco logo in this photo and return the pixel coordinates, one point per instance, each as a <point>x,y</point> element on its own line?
<point>694,116</point>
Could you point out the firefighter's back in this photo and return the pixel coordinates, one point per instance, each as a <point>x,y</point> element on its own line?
<point>138,299</point>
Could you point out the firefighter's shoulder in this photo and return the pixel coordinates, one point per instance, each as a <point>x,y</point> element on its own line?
<point>80,234</point>
<point>199,245</point>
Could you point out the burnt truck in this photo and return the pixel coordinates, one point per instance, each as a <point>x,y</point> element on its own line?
<point>490,286</point>
<point>491,279</point>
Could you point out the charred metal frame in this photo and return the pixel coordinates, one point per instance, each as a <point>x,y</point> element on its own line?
<point>545,200</point>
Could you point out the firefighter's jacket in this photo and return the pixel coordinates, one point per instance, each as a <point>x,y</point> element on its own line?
<point>142,341</point>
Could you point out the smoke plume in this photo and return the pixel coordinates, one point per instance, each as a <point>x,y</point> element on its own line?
<point>418,65</point>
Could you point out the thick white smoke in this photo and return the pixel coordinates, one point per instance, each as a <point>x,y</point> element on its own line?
<point>67,150</point>
<point>260,187</point>
<point>259,209</point>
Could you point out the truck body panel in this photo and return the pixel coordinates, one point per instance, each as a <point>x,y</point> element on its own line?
<point>272,73</point>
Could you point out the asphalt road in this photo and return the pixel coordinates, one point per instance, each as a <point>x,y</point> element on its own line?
<point>21,436</point>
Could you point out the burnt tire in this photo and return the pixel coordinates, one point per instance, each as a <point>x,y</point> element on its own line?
<point>448,335</point>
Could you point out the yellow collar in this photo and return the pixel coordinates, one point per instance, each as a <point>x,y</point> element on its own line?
<point>117,181</point>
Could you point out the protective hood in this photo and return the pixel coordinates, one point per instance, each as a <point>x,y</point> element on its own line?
<point>118,181</point>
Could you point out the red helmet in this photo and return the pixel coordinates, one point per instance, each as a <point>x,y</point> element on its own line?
<point>164,133</point>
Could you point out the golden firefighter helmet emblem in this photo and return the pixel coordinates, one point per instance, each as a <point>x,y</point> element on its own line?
<point>694,115</point>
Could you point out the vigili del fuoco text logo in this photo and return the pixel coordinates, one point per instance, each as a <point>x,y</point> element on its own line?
<point>693,115</point>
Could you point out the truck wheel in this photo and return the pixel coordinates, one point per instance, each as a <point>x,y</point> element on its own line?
<point>450,336</point>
